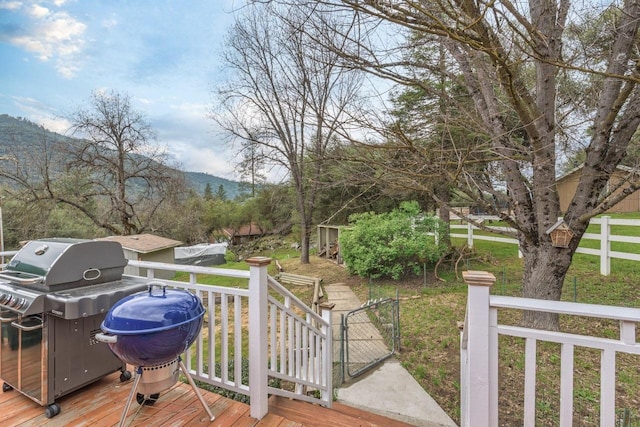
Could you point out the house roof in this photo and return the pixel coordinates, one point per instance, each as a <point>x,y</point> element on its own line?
<point>144,243</point>
<point>570,172</point>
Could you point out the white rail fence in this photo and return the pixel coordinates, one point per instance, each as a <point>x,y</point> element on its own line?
<point>479,353</point>
<point>605,238</point>
<point>284,338</point>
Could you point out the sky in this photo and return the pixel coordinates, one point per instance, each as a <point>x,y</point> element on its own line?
<point>164,54</point>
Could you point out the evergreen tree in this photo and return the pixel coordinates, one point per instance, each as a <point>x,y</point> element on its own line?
<point>221,194</point>
<point>208,192</point>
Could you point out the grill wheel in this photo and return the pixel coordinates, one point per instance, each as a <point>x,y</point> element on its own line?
<point>52,410</point>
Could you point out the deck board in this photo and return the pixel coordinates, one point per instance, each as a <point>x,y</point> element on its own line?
<point>318,416</point>
<point>101,404</point>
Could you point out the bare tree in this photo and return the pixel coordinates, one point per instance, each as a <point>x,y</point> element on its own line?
<point>251,166</point>
<point>523,66</point>
<point>120,164</point>
<point>287,95</point>
<point>113,175</point>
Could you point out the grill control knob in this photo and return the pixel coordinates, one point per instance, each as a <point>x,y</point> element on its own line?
<point>3,298</point>
<point>20,303</point>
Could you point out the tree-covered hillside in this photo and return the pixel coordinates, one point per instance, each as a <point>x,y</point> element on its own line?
<point>23,134</point>
<point>199,180</point>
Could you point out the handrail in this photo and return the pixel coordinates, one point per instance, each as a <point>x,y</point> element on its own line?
<point>212,271</point>
<point>479,353</point>
<point>567,307</point>
<point>295,348</point>
<point>275,285</point>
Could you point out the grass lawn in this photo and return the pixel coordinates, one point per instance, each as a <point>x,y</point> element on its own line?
<point>429,313</point>
<point>430,337</point>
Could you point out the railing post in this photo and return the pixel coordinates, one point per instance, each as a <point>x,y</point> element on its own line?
<point>258,349</point>
<point>479,409</point>
<point>605,246</point>
<point>327,355</point>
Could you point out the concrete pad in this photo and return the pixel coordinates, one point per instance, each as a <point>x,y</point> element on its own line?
<point>388,389</point>
<point>391,391</point>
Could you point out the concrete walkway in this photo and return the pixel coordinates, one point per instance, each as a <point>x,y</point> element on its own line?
<point>388,389</point>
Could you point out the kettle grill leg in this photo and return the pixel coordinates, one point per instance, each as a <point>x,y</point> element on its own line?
<point>195,389</point>
<point>123,418</point>
<point>186,373</point>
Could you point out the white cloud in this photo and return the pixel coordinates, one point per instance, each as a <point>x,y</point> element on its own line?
<point>53,35</point>
<point>38,11</point>
<point>110,23</point>
<point>191,108</point>
<point>208,160</point>
<point>67,70</point>
<point>54,124</point>
<point>41,114</point>
<point>30,105</point>
<point>10,5</point>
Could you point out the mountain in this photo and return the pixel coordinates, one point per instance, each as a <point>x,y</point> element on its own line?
<point>199,180</point>
<point>20,132</point>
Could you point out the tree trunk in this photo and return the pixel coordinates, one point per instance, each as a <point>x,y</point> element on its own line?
<point>304,250</point>
<point>444,194</point>
<point>304,221</point>
<point>545,268</point>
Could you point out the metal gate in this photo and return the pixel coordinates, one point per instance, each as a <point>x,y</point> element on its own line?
<point>371,334</point>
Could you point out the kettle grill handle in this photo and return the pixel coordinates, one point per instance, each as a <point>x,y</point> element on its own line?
<point>106,338</point>
<point>157,284</point>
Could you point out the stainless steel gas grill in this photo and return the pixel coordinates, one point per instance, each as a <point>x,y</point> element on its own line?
<point>54,295</point>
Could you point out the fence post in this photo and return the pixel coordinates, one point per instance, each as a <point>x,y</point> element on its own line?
<point>327,353</point>
<point>605,246</point>
<point>258,349</point>
<point>342,349</point>
<point>469,235</point>
<point>480,407</point>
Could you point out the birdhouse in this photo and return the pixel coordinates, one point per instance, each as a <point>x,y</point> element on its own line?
<point>561,234</point>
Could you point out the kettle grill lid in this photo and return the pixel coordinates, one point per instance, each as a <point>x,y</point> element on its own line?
<point>154,310</point>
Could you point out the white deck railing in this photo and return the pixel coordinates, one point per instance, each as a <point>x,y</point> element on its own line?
<point>479,353</point>
<point>282,337</point>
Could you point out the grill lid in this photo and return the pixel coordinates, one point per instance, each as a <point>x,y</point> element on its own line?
<point>60,263</point>
<point>157,309</point>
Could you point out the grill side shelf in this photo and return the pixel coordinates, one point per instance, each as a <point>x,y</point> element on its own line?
<point>21,278</point>
<point>90,300</point>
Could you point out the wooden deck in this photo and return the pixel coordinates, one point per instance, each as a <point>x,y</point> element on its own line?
<point>101,404</point>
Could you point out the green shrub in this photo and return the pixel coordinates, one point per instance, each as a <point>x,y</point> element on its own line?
<point>392,244</point>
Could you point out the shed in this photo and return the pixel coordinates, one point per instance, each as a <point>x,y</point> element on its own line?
<point>147,247</point>
<point>244,234</point>
<point>329,242</point>
<point>568,183</point>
